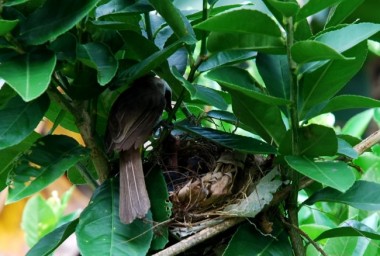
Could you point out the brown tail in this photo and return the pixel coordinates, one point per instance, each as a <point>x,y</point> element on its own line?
<point>134,200</point>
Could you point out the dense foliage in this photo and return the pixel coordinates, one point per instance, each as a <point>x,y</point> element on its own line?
<point>255,78</point>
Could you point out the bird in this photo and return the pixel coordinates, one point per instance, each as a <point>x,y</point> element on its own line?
<point>131,121</point>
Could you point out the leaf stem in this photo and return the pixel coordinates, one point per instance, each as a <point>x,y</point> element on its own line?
<point>148,26</point>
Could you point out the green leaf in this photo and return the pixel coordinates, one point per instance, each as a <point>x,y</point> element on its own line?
<point>10,155</point>
<point>99,57</point>
<point>334,174</point>
<point>236,21</point>
<point>38,219</point>
<point>350,228</point>
<point>42,164</point>
<point>287,9</point>
<point>314,6</point>
<point>226,57</point>
<point>362,195</point>
<point>199,92</point>
<point>239,80</point>
<point>175,19</point>
<point>14,2</point>
<point>344,148</point>
<point>51,241</point>
<point>314,140</point>
<point>275,71</point>
<point>241,243</point>
<point>118,7</point>
<point>29,74</point>
<point>161,207</point>
<point>233,141</point>
<point>57,17</point>
<point>308,51</point>
<point>221,41</point>
<point>357,125</point>
<point>340,12</point>
<point>19,119</point>
<point>324,82</point>
<point>7,26</point>
<point>342,102</point>
<point>114,237</point>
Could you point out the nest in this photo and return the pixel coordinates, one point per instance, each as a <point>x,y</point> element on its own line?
<point>205,179</point>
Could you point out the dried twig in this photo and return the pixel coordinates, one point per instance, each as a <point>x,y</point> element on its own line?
<point>368,142</point>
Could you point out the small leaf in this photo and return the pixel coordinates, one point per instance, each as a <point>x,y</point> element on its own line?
<point>57,17</point>
<point>7,26</point>
<point>344,148</point>
<point>287,9</point>
<point>114,237</point>
<point>334,174</point>
<point>314,140</point>
<point>362,195</point>
<point>350,228</point>
<point>99,57</point>
<point>51,241</point>
<point>234,141</point>
<point>42,164</point>
<point>308,51</point>
<point>226,57</point>
<point>29,74</point>
<point>340,12</point>
<point>314,6</point>
<point>241,243</point>
<point>118,7</point>
<point>19,119</point>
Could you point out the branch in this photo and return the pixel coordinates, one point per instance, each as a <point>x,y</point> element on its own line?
<point>368,142</point>
<point>199,237</point>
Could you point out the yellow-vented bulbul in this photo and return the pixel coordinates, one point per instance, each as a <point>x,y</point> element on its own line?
<point>131,121</point>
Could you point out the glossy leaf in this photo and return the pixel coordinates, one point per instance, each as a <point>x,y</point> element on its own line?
<point>275,71</point>
<point>344,148</point>
<point>233,141</point>
<point>160,206</point>
<point>314,6</point>
<point>57,17</point>
<point>362,195</point>
<point>335,174</point>
<point>205,94</point>
<point>357,125</point>
<point>226,57</point>
<point>241,243</point>
<point>43,163</point>
<point>175,19</point>
<point>340,12</point>
<point>99,57</point>
<point>342,102</point>
<point>350,228</point>
<point>29,74</point>
<point>314,140</point>
<point>236,79</point>
<point>114,237</point>
<point>326,81</point>
<point>7,26</point>
<point>308,51</point>
<point>287,9</point>
<point>118,7</point>
<point>51,241</point>
<point>19,119</point>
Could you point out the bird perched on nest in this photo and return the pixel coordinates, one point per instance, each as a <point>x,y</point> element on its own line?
<point>131,122</point>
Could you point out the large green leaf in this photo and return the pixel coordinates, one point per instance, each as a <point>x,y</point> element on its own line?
<point>242,243</point>
<point>308,51</point>
<point>160,206</point>
<point>10,155</point>
<point>19,119</point>
<point>99,57</point>
<point>324,82</point>
<point>314,6</point>
<point>334,174</point>
<point>42,164</point>
<point>226,57</point>
<point>51,241</point>
<point>233,141</point>
<point>275,71</point>
<point>350,228</point>
<point>342,102</point>
<point>362,195</point>
<point>312,141</point>
<point>239,80</point>
<point>118,7</point>
<point>53,19</point>
<point>29,74</point>
<point>340,12</point>
<point>114,237</point>
<point>175,19</point>
<point>287,9</point>
<point>7,26</point>
<point>357,125</point>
